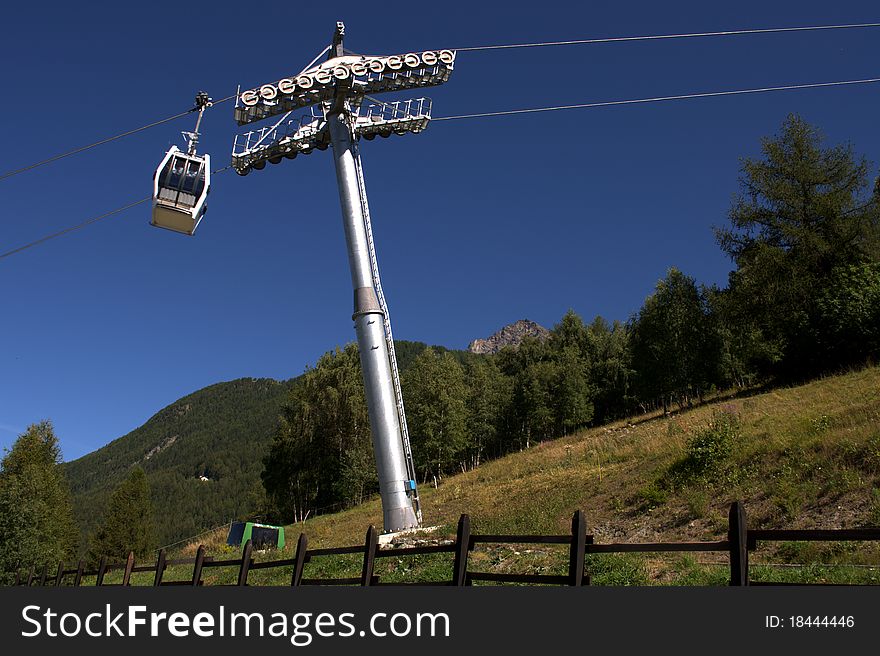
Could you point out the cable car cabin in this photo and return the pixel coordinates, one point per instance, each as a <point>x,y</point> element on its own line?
<point>180,191</point>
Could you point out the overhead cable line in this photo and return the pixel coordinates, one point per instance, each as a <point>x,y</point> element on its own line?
<point>609,103</point>
<point>659,37</point>
<point>650,37</point>
<point>76,227</point>
<point>635,101</point>
<point>89,222</point>
<point>115,137</point>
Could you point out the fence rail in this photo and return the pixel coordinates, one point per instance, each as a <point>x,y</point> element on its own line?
<point>740,541</point>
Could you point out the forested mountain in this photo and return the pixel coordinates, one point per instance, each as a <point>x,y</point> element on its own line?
<point>221,432</point>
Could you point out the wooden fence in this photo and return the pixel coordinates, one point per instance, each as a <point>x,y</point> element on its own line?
<point>740,541</point>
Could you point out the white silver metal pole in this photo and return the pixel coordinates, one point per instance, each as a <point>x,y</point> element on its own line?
<point>398,513</point>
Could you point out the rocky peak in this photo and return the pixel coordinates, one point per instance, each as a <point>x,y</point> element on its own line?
<point>511,335</point>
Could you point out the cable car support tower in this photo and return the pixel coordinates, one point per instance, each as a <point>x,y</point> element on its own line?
<point>335,92</point>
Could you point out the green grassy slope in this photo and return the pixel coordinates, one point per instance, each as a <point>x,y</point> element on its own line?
<point>800,457</point>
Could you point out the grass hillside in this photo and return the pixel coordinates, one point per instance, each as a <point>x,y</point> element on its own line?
<point>799,457</point>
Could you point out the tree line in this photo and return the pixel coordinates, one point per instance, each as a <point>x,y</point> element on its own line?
<point>803,299</point>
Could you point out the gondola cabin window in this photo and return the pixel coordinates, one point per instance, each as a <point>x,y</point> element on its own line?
<point>180,190</point>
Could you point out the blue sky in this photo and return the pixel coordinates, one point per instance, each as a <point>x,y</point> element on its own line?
<point>477,223</point>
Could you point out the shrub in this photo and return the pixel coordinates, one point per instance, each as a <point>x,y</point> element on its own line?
<point>707,452</point>
<point>651,496</point>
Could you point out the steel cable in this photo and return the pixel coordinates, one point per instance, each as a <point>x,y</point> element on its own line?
<point>610,103</point>
<point>659,37</point>
<point>115,137</point>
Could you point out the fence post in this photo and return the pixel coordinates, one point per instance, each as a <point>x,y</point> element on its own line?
<point>160,568</point>
<point>129,565</point>
<point>737,535</point>
<point>300,559</point>
<point>17,575</point>
<point>371,543</point>
<point>245,563</point>
<point>102,569</point>
<point>80,566</point>
<point>578,547</point>
<point>197,568</point>
<point>44,574</point>
<point>60,574</point>
<point>462,547</point>
<point>31,574</point>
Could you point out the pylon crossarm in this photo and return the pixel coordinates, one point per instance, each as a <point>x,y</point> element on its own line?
<point>287,139</point>
<point>362,74</point>
<point>296,137</point>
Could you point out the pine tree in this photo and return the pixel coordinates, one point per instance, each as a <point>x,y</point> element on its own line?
<point>36,516</point>
<point>805,212</point>
<point>128,523</point>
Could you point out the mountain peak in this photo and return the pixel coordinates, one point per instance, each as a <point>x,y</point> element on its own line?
<point>511,335</point>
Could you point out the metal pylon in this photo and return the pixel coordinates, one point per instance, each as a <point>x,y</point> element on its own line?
<point>389,337</point>
<point>335,91</point>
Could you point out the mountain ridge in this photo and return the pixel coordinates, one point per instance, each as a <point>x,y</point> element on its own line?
<point>197,435</point>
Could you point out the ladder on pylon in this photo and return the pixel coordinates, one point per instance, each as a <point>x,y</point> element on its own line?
<point>389,339</point>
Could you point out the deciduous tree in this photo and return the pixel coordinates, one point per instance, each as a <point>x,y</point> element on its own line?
<point>672,344</point>
<point>436,395</point>
<point>321,454</point>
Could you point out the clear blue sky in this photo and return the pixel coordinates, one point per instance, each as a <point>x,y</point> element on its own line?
<point>478,223</point>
